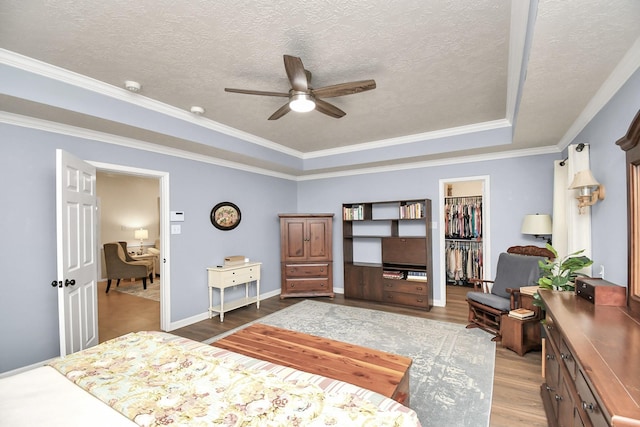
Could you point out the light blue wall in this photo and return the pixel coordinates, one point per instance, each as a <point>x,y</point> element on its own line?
<point>519,186</point>
<point>609,217</point>
<point>28,306</point>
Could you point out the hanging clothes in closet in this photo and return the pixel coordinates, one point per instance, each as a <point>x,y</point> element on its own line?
<point>463,234</point>
<point>463,262</point>
<point>463,217</point>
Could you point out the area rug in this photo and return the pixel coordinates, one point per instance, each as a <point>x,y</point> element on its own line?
<point>451,378</point>
<point>136,289</point>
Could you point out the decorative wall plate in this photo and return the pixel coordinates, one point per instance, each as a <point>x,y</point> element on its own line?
<point>225,216</point>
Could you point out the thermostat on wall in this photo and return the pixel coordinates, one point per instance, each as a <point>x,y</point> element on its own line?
<point>177,216</point>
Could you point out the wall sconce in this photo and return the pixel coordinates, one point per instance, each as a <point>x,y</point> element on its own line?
<point>538,226</point>
<point>141,235</point>
<point>590,191</point>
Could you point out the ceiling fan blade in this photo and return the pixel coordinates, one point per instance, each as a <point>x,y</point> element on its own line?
<point>296,73</point>
<point>256,92</point>
<point>280,112</point>
<point>344,89</point>
<point>329,109</point>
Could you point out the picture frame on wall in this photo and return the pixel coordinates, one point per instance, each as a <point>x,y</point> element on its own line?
<point>225,216</point>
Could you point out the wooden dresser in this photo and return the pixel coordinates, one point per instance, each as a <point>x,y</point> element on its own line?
<point>591,363</point>
<point>306,249</point>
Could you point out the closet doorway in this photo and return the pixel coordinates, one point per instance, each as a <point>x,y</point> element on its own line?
<point>464,232</point>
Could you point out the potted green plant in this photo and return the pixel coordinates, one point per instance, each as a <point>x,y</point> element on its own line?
<point>560,274</point>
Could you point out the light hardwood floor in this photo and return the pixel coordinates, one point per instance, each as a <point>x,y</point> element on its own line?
<point>516,386</point>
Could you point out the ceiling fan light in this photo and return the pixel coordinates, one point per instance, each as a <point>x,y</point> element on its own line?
<point>302,103</point>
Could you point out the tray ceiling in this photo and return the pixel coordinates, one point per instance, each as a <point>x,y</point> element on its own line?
<point>449,73</point>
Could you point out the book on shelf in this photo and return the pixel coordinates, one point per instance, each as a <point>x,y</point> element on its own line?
<point>522,313</point>
<point>353,213</point>
<point>417,276</point>
<point>412,211</point>
<point>393,274</point>
<point>529,290</point>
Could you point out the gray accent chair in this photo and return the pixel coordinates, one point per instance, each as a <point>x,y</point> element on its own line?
<point>118,267</point>
<point>517,267</point>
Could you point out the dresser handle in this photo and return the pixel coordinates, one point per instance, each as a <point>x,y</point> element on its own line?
<point>566,357</point>
<point>558,398</point>
<point>588,406</point>
<point>548,388</point>
<point>550,357</point>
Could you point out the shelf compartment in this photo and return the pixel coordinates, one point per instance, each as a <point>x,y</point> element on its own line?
<point>404,250</point>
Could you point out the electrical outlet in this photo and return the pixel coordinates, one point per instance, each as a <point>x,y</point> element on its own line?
<point>601,271</point>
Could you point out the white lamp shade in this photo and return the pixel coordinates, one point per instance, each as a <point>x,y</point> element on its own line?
<point>582,179</point>
<point>141,234</point>
<point>536,224</point>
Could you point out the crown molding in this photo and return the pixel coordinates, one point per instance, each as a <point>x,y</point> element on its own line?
<point>76,132</point>
<point>69,77</point>
<point>520,16</point>
<point>63,129</point>
<point>409,139</point>
<point>439,162</point>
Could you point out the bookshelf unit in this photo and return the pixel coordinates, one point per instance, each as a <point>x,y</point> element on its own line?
<point>387,252</point>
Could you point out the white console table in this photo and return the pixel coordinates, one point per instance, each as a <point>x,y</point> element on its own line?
<point>225,277</point>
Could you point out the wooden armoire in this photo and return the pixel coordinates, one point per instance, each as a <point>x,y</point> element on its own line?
<point>306,255</point>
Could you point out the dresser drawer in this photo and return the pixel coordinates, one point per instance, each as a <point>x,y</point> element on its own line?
<point>306,270</point>
<point>306,285</point>
<point>567,358</point>
<point>552,332</point>
<point>405,287</point>
<point>588,402</point>
<point>406,299</point>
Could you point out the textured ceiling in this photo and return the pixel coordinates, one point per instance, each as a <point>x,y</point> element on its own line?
<point>438,65</point>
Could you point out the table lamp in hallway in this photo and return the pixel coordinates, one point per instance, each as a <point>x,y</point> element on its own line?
<point>141,235</point>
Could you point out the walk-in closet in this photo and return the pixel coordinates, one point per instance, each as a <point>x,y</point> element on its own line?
<point>463,232</point>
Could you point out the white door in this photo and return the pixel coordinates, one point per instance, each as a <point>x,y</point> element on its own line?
<point>77,266</point>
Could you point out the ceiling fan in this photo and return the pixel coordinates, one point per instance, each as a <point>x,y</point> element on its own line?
<point>302,97</point>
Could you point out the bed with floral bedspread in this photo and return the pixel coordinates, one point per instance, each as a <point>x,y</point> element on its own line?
<point>155,378</point>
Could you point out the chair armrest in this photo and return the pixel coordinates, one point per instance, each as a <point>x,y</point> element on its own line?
<point>480,284</point>
<point>514,297</point>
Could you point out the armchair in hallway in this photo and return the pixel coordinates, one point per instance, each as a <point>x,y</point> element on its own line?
<point>118,267</point>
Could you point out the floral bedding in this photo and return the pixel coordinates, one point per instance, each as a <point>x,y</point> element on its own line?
<point>157,379</point>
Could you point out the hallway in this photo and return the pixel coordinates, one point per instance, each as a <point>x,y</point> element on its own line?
<point>120,313</point>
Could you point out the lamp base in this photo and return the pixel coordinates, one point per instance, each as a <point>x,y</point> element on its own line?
<point>548,239</point>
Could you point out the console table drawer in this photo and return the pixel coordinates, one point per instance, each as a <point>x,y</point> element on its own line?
<point>306,285</point>
<point>406,299</point>
<point>307,270</point>
<point>240,276</point>
<point>405,287</point>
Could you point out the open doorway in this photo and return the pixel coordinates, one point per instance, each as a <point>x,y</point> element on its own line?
<point>128,212</point>
<point>152,188</point>
<point>464,235</point>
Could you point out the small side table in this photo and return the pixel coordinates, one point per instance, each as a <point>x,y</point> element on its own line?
<point>519,335</point>
<point>149,257</point>
<point>225,277</point>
